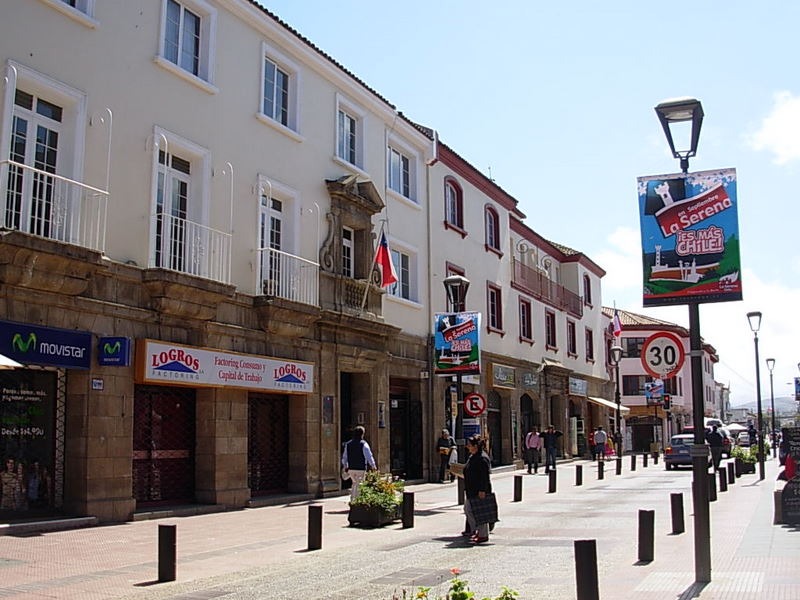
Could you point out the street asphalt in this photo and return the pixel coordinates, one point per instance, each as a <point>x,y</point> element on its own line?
<point>263,552</point>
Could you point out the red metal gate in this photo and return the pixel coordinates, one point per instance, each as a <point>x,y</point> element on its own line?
<point>268,445</point>
<point>163,445</point>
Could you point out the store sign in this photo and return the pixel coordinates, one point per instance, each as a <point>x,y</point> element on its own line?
<point>114,352</point>
<point>529,380</point>
<point>189,366</point>
<point>577,387</point>
<point>690,237</point>
<point>502,376</point>
<point>456,343</point>
<point>34,345</point>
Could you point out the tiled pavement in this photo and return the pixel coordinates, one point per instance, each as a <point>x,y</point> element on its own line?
<point>261,553</point>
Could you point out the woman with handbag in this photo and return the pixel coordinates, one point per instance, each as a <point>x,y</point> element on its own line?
<point>480,505</point>
<point>445,446</point>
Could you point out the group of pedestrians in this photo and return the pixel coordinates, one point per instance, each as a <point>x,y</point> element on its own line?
<point>535,442</point>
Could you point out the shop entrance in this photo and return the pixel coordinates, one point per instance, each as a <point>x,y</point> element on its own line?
<point>163,445</point>
<point>495,426</point>
<point>268,444</point>
<point>405,433</point>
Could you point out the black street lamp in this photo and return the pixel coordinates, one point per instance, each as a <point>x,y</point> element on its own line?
<point>456,287</point>
<point>675,114</point>
<point>754,318</point>
<point>616,356</point>
<point>770,366</point>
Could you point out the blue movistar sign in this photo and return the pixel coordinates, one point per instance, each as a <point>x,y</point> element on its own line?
<point>114,351</point>
<point>34,345</point>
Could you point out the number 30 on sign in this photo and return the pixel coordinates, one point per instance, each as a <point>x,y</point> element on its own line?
<point>662,355</point>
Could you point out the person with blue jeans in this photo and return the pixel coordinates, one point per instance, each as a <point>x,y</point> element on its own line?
<point>550,438</point>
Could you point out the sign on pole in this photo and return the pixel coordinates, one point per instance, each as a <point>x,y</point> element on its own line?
<point>456,343</point>
<point>690,238</point>
<point>474,404</point>
<point>662,355</point>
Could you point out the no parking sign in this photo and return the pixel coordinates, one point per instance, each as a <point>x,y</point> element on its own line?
<point>474,404</point>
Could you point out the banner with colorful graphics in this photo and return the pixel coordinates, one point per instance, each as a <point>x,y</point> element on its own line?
<point>456,343</point>
<point>690,238</point>
<point>173,364</point>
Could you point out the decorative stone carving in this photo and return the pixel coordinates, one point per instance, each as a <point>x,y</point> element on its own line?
<point>184,296</point>
<point>284,317</point>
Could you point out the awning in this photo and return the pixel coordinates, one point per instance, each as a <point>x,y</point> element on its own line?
<point>608,404</point>
<point>8,363</point>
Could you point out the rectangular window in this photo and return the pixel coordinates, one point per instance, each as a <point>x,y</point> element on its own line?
<point>589,344</point>
<point>402,265</point>
<point>348,238</point>
<point>346,136</point>
<point>182,37</point>
<point>633,385</point>
<point>276,93</point>
<point>494,307</point>
<point>632,347</point>
<point>172,200</point>
<point>525,325</point>
<point>550,329</point>
<point>572,341</point>
<point>399,173</point>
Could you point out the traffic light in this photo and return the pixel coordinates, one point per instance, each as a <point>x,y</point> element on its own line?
<point>666,401</point>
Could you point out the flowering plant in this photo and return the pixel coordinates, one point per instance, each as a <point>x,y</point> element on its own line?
<point>459,590</point>
<point>380,490</point>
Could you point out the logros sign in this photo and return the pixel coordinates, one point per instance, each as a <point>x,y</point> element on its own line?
<point>189,366</point>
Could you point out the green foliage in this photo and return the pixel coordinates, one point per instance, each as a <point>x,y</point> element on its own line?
<point>458,590</point>
<point>380,490</point>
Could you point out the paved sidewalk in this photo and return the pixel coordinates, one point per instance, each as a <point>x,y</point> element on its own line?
<point>261,553</point>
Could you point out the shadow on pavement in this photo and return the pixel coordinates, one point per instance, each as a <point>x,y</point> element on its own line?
<point>693,591</point>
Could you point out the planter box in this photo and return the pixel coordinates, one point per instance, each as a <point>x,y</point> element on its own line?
<point>748,467</point>
<point>370,516</point>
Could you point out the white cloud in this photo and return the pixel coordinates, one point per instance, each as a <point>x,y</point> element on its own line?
<point>780,130</point>
<point>724,325</point>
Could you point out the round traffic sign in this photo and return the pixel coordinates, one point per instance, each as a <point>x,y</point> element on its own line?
<point>662,355</point>
<point>474,404</point>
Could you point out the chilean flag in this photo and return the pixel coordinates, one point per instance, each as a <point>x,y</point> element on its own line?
<point>384,258</point>
<point>617,324</point>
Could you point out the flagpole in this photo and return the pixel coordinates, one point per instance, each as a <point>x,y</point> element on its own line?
<point>371,266</point>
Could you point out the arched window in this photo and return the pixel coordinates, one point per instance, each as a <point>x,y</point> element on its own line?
<point>587,290</point>
<point>453,205</point>
<point>492,224</point>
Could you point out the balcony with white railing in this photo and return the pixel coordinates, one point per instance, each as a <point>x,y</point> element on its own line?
<point>51,206</point>
<point>284,275</point>
<point>188,247</point>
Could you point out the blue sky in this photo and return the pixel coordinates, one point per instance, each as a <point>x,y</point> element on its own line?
<point>556,98</point>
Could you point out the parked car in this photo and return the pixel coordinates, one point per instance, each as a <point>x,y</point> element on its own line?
<point>743,439</point>
<point>727,438</point>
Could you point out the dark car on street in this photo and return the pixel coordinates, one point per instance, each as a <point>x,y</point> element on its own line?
<point>679,451</point>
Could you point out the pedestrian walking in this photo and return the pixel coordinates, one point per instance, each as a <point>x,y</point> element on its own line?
<point>753,435</point>
<point>550,438</point>
<point>445,445</point>
<point>715,440</point>
<point>533,449</point>
<point>478,491</point>
<point>600,439</point>
<point>356,459</point>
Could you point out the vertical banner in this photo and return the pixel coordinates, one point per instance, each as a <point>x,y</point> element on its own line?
<point>690,238</point>
<point>456,342</point>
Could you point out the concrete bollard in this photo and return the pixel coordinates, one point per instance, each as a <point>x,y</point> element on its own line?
<point>460,482</point>
<point>644,460</point>
<point>619,466</point>
<point>601,469</point>
<point>315,527</point>
<point>737,462</point>
<point>723,480</point>
<point>578,474</point>
<point>676,506</point>
<point>586,570</point>
<point>647,521</point>
<point>517,488</point>
<point>655,458</point>
<point>731,473</point>
<point>712,487</point>
<point>408,510</point>
<point>551,482</point>
<point>167,546</point>
<point>633,462</point>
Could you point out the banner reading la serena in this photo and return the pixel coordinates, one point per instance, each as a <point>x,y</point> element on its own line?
<point>690,238</point>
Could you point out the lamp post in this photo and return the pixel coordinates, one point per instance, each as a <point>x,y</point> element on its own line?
<point>456,287</point>
<point>771,366</point>
<point>754,318</point>
<point>616,356</point>
<point>675,114</point>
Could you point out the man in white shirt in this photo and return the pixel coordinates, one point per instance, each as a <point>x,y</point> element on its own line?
<point>356,459</point>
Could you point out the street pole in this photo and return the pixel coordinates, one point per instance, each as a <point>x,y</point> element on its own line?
<point>760,415</point>
<point>460,442</point>
<point>702,526</point>
<point>617,421</point>
<point>770,366</point>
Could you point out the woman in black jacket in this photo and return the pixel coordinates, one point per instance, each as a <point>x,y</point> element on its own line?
<point>476,486</point>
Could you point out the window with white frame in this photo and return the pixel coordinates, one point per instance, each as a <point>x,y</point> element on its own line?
<point>494,307</point>
<point>279,89</point>
<point>572,338</point>
<point>187,39</point>
<point>492,223</point>
<point>550,329</point>
<point>525,325</point>
<point>81,11</point>
<point>405,265</point>
<point>349,132</point>
<point>453,204</point>
<point>399,172</point>
<point>348,242</point>
<point>589,344</point>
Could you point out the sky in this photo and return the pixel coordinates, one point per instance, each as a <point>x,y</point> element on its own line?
<point>554,100</point>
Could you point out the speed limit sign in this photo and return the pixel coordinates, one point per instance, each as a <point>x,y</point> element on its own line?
<point>662,355</point>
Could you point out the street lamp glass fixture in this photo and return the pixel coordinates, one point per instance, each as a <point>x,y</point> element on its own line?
<point>456,287</point>
<point>674,115</point>
<point>616,354</point>
<point>770,364</point>
<point>755,323</point>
